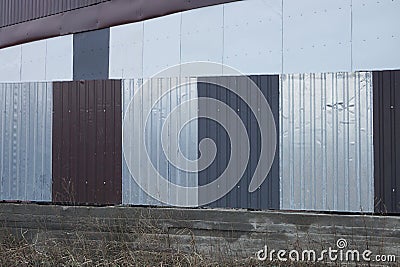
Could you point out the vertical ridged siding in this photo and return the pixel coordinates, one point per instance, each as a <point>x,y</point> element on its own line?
<point>25,141</point>
<point>326,142</point>
<point>386,143</point>
<point>87,142</point>
<point>267,195</point>
<point>132,193</point>
<point>17,11</point>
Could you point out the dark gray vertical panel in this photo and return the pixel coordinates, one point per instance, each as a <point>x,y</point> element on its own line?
<point>91,55</point>
<point>267,196</point>
<point>386,87</point>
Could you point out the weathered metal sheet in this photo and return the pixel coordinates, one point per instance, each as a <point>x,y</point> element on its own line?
<point>87,142</point>
<point>26,141</point>
<point>91,55</point>
<point>17,11</point>
<point>386,140</point>
<point>151,120</point>
<point>267,195</point>
<point>326,142</point>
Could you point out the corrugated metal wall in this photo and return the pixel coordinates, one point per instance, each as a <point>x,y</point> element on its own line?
<point>151,90</point>
<point>386,140</point>
<point>267,196</point>
<point>87,142</point>
<point>326,142</point>
<point>25,142</point>
<point>16,11</point>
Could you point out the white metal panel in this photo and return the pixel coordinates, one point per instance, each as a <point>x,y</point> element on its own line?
<point>59,58</point>
<point>10,64</point>
<point>202,39</point>
<point>376,34</point>
<point>126,51</point>
<point>326,142</point>
<point>34,61</point>
<point>161,44</point>
<point>253,36</point>
<point>316,36</point>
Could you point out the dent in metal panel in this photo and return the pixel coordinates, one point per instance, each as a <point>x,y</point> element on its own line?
<point>161,46</point>
<point>326,142</point>
<point>10,64</point>
<point>91,55</point>
<point>316,36</point>
<point>126,51</point>
<point>202,39</point>
<point>26,142</point>
<point>376,34</point>
<point>59,56</point>
<point>34,61</point>
<point>253,36</point>
<point>132,193</point>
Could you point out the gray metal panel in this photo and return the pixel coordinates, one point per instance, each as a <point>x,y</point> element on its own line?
<point>17,11</point>
<point>91,55</point>
<point>10,67</point>
<point>26,141</point>
<point>267,195</point>
<point>326,142</point>
<point>131,192</point>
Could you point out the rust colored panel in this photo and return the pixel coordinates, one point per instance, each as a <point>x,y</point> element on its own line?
<point>386,88</point>
<point>99,16</point>
<point>87,142</point>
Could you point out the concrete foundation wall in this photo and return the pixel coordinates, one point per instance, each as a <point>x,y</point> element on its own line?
<point>217,233</point>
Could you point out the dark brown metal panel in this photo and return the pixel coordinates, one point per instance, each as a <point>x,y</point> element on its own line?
<point>17,11</point>
<point>99,16</point>
<point>386,94</point>
<point>87,142</point>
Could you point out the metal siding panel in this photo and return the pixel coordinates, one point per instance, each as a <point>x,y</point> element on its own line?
<point>314,32</point>
<point>26,123</point>
<point>267,196</point>
<point>34,61</point>
<point>126,51</point>
<point>59,58</point>
<point>132,192</point>
<point>253,42</point>
<point>87,142</point>
<point>10,67</point>
<point>386,118</point>
<point>91,55</point>
<point>326,142</point>
<point>376,35</point>
<point>161,46</point>
<point>202,40</point>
